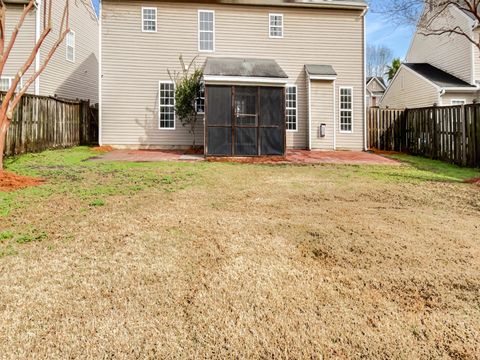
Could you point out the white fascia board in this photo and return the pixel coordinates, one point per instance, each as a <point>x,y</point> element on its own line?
<point>229,80</point>
<point>322,77</point>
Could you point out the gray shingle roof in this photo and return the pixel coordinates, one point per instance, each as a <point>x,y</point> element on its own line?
<point>380,79</point>
<point>243,67</point>
<point>437,76</point>
<point>319,70</point>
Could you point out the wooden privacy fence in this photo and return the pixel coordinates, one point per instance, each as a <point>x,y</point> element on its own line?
<point>449,133</point>
<point>42,123</point>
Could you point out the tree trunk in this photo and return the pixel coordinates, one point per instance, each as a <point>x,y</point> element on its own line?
<point>3,140</point>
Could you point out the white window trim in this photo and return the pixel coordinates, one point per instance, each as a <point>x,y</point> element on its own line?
<point>143,19</point>
<point>340,110</point>
<point>198,30</point>
<point>201,112</point>
<point>458,100</point>
<point>74,46</point>
<point>159,106</point>
<point>296,107</point>
<point>270,26</point>
<point>10,80</point>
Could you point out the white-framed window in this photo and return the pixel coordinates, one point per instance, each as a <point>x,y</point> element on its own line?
<point>276,26</point>
<point>346,109</point>
<point>200,101</point>
<point>70,41</point>
<point>6,83</point>
<point>206,30</point>
<point>291,107</point>
<point>166,105</point>
<point>149,19</point>
<point>458,101</point>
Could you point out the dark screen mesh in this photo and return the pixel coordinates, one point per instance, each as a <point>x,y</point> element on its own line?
<point>219,101</point>
<point>271,106</point>
<point>219,141</point>
<point>272,141</point>
<point>246,141</point>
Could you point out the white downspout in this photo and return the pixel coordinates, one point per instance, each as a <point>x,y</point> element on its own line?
<point>365,141</point>
<point>38,20</point>
<point>100,67</point>
<point>309,113</point>
<point>334,115</point>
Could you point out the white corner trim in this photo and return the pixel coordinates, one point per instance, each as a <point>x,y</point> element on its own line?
<point>100,67</point>
<point>38,25</point>
<point>334,115</point>
<point>309,115</point>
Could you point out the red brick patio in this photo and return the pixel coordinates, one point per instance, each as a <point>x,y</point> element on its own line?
<point>293,156</point>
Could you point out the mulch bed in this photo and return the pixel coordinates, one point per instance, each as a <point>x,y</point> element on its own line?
<point>250,160</point>
<point>12,182</point>
<point>473,181</point>
<point>103,149</point>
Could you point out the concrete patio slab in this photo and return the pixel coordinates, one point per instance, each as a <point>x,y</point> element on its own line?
<point>293,157</point>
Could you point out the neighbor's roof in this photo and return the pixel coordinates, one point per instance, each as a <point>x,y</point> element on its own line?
<point>378,78</point>
<point>438,77</point>
<point>318,70</point>
<point>266,68</point>
<point>348,4</point>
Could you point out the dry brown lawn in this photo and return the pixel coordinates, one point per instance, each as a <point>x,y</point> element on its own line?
<point>244,261</point>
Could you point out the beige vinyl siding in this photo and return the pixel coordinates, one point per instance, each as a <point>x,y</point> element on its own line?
<point>134,62</point>
<point>77,79</point>
<point>23,45</point>
<point>374,86</point>
<point>322,111</point>
<point>476,59</point>
<point>409,90</point>
<point>469,97</point>
<point>451,53</point>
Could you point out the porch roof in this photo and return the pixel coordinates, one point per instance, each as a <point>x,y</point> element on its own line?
<point>263,68</point>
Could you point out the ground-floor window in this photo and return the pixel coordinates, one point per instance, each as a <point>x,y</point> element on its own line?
<point>245,120</point>
<point>6,83</point>
<point>166,101</point>
<point>291,107</point>
<point>346,109</point>
<point>458,101</point>
<point>200,100</point>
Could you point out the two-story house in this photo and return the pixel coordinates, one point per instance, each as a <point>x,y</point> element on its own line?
<point>73,70</point>
<point>375,89</point>
<point>439,70</point>
<point>277,74</point>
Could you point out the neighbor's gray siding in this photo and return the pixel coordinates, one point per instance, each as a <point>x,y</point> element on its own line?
<point>134,62</point>
<point>409,90</point>
<point>80,78</point>
<point>451,53</point>
<point>23,45</point>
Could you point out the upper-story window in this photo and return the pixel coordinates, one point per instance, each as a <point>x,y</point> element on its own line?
<point>149,19</point>
<point>70,41</point>
<point>206,30</point>
<point>276,25</point>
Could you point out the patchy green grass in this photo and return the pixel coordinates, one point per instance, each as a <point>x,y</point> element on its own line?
<point>436,170</point>
<point>69,173</point>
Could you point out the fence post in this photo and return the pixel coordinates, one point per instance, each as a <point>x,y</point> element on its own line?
<point>434,130</point>
<point>463,124</point>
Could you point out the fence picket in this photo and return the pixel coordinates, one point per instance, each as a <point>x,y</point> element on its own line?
<point>449,133</point>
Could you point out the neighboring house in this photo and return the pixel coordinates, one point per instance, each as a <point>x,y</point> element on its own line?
<point>276,72</point>
<point>375,89</point>
<point>439,70</point>
<point>73,71</point>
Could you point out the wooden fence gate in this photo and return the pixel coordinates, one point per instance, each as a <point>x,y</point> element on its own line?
<point>450,133</point>
<point>42,123</point>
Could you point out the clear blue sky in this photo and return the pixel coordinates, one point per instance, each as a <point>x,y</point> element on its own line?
<point>380,31</point>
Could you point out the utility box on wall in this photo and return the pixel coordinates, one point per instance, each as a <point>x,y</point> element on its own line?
<point>322,130</point>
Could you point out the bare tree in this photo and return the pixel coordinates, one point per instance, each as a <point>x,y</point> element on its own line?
<point>378,58</point>
<point>433,17</point>
<point>12,97</point>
